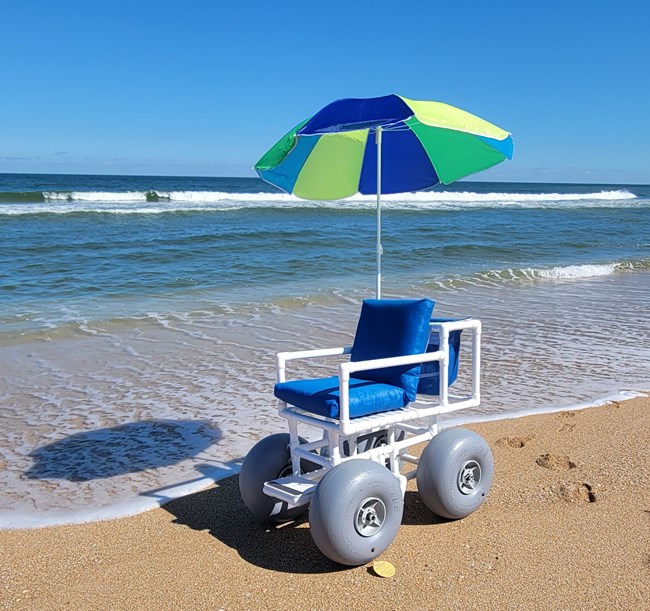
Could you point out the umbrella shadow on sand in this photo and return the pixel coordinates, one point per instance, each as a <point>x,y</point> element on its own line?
<point>286,548</point>
<point>120,450</point>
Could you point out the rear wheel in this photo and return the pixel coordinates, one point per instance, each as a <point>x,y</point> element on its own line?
<point>269,458</point>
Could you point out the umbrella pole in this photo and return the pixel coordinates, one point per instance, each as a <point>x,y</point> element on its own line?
<point>380,249</point>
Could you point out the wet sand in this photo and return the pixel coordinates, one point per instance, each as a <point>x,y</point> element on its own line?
<point>565,526</point>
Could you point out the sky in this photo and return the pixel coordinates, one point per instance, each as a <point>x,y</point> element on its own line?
<point>205,87</point>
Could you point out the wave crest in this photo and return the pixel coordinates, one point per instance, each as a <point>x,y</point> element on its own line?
<point>158,202</point>
<point>541,274</point>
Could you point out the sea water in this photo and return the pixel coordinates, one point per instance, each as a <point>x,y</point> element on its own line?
<point>140,316</point>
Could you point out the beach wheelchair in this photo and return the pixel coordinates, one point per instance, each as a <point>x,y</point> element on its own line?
<point>385,399</point>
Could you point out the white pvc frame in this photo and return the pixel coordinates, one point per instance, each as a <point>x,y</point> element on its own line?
<point>416,423</point>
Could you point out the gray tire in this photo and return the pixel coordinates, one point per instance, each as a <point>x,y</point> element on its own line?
<point>268,459</point>
<point>356,512</point>
<point>455,473</point>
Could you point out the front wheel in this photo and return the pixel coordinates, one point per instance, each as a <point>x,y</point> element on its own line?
<point>455,473</point>
<point>356,512</point>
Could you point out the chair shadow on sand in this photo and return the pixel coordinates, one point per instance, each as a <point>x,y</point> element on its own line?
<point>285,547</point>
<point>120,450</point>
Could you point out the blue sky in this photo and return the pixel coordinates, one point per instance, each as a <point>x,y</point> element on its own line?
<point>204,87</point>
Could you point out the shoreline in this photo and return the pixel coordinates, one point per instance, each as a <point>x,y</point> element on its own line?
<point>154,499</point>
<point>565,526</point>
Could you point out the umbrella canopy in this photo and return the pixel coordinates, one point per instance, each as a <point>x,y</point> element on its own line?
<point>388,144</point>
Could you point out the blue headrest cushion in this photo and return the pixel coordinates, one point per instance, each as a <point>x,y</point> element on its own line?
<point>392,327</point>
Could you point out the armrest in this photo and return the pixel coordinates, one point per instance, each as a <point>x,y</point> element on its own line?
<point>394,361</point>
<point>308,354</point>
<point>345,369</point>
<point>456,325</point>
<point>444,328</point>
<point>283,357</point>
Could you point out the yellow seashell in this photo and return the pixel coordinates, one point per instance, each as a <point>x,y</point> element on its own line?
<point>383,568</point>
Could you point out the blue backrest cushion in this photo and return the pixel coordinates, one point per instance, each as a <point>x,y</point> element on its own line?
<point>392,327</point>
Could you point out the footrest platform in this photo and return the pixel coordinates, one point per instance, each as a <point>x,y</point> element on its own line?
<point>295,490</point>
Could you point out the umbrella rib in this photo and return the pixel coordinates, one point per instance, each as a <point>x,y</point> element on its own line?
<point>396,127</point>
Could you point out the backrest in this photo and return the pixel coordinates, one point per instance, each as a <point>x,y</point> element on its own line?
<point>392,327</point>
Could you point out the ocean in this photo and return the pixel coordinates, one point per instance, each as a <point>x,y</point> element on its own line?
<point>140,316</point>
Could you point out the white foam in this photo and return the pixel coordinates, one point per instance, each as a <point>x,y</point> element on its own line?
<point>95,196</point>
<point>404,200</point>
<point>414,197</point>
<point>567,272</point>
<point>577,271</point>
<point>220,196</point>
<point>621,395</point>
<point>139,202</point>
<point>119,508</point>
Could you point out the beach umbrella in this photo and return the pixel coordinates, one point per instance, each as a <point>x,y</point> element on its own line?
<point>388,144</point>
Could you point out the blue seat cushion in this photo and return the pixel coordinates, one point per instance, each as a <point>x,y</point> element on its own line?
<point>392,327</point>
<point>322,396</point>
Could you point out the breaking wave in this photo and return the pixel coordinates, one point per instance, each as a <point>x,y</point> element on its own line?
<point>540,274</point>
<point>158,202</point>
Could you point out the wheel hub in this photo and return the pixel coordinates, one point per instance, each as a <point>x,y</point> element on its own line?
<point>370,517</point>
<point>469,477</point>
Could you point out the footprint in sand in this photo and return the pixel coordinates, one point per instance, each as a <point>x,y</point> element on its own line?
<point>578,492</point>
<point>513,442</point>
<point>567,426</point>
<point>555,462</point>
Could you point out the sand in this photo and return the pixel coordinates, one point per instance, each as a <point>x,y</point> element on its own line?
<point>565,526</point>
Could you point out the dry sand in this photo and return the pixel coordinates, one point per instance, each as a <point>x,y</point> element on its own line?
<point>566,526</point>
